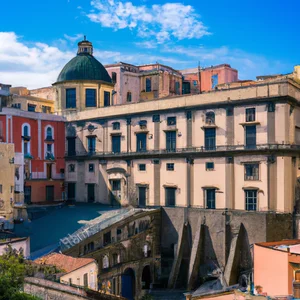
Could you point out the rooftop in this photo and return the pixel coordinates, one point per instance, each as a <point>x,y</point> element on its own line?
<point>64,262</point>
<point>291,246</point>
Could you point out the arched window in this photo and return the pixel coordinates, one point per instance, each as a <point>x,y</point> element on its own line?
<point>26,130</point>
<point>49,135</point>
<point>210,117</point>
<point>105,262</point>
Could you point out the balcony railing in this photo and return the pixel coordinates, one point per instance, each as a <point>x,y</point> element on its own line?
<point>193,150</point>
<point>49,156</point>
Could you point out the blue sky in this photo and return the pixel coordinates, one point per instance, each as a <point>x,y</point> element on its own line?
<point>38,37</point>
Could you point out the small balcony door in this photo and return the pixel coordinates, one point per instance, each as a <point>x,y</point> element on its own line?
<point>210,139</point>
<point>142,196</point>
<point>171,140</point>
<point>141,142</point>
<point>250,132</point>
<point>27,194</point>
<point>91,193</point>
<point>49,171</point>
<point>71,191</point>
<point>116,143</point>
<point>50,193</point>
<point>170,196</point>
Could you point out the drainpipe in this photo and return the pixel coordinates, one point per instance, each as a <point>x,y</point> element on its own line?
<point>199,77</point>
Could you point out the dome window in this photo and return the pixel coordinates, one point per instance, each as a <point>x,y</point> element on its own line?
<point>90,97</point>
<point>70,98</point>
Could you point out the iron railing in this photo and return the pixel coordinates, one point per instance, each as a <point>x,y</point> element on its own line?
<point>189,150</point>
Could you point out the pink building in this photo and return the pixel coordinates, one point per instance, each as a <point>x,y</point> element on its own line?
<point>142,83</point>
<point>209,78</point>
<point>277,268</point>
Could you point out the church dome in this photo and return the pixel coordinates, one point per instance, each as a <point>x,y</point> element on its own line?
<point>84,66</point>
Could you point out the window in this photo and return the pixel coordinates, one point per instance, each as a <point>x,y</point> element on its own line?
<point>210,138</point>
<point>26,148</point>
<point>25,131</point>
<point>70,98</point>
<point>177,88</point>
<point>171,121</point>
<point>116,185</point>
<point>195,82</point>
<point>91,167</point>
<point>229,111</point>
<point>106,98</point>
<point>71,146</point>
<point>107,238</point>
<point>91,144</point>
<point>186,88</point>
<point>114,77</point>
<point>0,188</point>
<point>211,198</point>
<point>250,137</point>
<point>46,109</point>
<point>71,168</point>
<point>85,280</point>
<point>210,117</point>
<point>209,166</point>
<point>214,81</point>
<point>128,96</point>
<point>141,142</point>
<point>156,118</point>
<point>142,167</point>
<point>49,148</point>
<point>119,234</point>
<point>90,98</point>
<point>250,114</point>
<point>143,124</point>
<point>31,107</point>
<point>251,171</point>
<point>49,134</point>
<point>70,281</point>
<point>170,196</point>
<point>171,140</point>
<point>170,166</point>
<point>105,262</point>
<point>116,143</point>
<point>148,84</point>
<point>116,126</point>
<point>251,199</point>
<point>271,107</point>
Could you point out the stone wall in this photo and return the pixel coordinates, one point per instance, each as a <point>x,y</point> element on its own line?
<point>47,290</point>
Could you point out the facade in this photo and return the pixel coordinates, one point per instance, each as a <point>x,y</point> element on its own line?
<point>75,271</point>
<point>44,93</point>
<point>277,268</point>
<point>34,101</point>
<point>127,249</point>
<point>39,154</point>
<point>198,80</point>
<point>5,95</point>
<point>142,83</point>
<point>7,175</point>
<point>17,244</point>
<point>223,149</point>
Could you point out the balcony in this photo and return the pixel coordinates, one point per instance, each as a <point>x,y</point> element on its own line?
<point>195,151</point>
<point>49,156</point>
<point>28,156</point>
<point>49,139</point>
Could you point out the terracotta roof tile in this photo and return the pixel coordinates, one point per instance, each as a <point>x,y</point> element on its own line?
<point>64,262</point>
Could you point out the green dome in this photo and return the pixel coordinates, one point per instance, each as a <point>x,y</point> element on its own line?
<point>83,67</point>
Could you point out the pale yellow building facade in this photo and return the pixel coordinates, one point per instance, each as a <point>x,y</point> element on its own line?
<point>7,178</point>
<point>234,149</point>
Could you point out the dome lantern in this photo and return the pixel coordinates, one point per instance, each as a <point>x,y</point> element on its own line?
<point>85,47</point>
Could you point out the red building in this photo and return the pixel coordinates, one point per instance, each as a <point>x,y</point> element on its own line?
<point>207,79</point>
<point>39,141</point>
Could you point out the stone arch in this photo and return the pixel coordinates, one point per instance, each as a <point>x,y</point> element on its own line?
<point>146,278</point>
<point>128,284</point>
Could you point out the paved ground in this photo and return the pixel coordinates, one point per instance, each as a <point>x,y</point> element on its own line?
<point>50,224</point>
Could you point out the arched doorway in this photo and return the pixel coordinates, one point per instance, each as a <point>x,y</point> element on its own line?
<point>128,284</point>
<point>146,278</point>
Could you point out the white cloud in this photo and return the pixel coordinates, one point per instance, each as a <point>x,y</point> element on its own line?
<point>170,20</point>
<point>73,38</point>
<point>32,65</point>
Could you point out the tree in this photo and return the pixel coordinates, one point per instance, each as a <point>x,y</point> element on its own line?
<point>12,274</point>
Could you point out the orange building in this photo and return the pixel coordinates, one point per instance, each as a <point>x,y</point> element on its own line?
<point>277,268</point>
<point>207,79</point>
<point>39,140</point>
